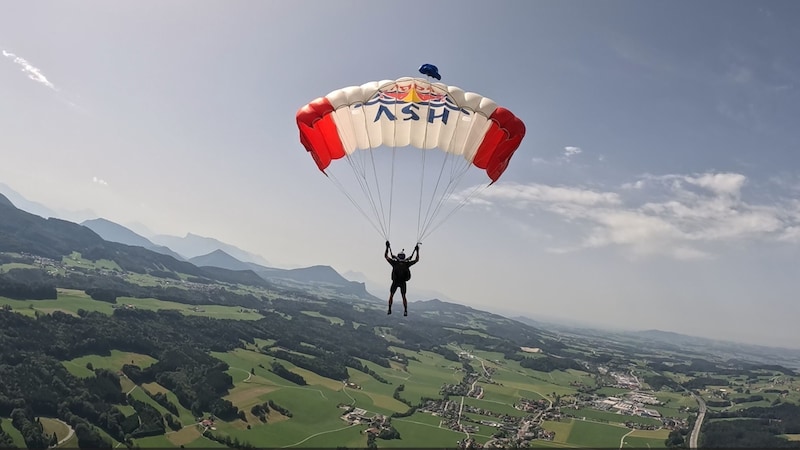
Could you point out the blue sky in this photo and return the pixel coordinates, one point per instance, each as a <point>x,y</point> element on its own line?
<point>657,186</point>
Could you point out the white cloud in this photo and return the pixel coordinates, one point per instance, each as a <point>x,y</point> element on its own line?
<point>676,219</point>
<point>721,183</point>
<point>99,181</point>
<point>565,157</point>
<point>791,234</point>
<point>569,152</point>
<point>541,193</point>
<point>33,73</point>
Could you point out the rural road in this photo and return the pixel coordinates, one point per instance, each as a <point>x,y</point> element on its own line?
<point>699,422</point>
<point>69,435</point>
<point>622,439</point>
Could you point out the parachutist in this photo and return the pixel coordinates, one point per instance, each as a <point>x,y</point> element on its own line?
<point>401,273</point>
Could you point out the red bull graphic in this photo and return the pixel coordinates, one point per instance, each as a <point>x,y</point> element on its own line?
<point>416,96</point>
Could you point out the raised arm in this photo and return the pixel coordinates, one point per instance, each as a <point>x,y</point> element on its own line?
<point>416,252</point>
<point>388,254</point>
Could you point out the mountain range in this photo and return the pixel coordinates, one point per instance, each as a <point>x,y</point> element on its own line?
<point>54,238</point>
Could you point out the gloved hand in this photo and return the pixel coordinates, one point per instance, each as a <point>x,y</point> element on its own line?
<point>388,245</point>
<point>416,247</point>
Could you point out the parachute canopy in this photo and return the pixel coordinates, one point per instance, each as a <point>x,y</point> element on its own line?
<point>410,112</point>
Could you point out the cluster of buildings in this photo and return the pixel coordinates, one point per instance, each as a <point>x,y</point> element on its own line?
<point>630,406</point>
<point>528,405</point>
<point>356,416</point>
<point>352,385</point>
<point>625,381</point>
<point>360,416</point>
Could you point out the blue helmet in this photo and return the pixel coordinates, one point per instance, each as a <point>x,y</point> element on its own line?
<point>401,255</point>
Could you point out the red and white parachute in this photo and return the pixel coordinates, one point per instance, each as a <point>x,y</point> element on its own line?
<point>366,125</point>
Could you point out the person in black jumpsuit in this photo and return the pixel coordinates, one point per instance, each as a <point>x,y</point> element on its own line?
<point>401,273</point>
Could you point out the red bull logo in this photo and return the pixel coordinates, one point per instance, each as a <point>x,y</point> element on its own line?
<point>414,96</point>
<point>413,93</point>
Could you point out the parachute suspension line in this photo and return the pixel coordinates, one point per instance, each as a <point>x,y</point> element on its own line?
<point>383,219</point>
<point>457,173</point>
<point>421,185</point>
<point>464,201</point>
<point>341,188</point>
<point>360,172</point>
<point>358,163</point>
<point>420,230</point>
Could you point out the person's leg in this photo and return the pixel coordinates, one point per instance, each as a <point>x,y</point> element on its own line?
<point>405,301</point>
<point>391,297</point>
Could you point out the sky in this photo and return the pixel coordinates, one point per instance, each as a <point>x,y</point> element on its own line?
<point>656,187</point>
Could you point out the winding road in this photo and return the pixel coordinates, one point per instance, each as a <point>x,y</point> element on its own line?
<point>69,435</point>
<point>699,422</point>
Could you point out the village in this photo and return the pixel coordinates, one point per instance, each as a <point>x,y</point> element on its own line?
<point>75,264</point>
<point>517,430</point>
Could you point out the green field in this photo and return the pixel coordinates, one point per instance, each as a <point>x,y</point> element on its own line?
<point>8,266</point>
<point>586,433</point>
<point>646,439</point>
<point>611,417</point>
<point>76,260</point>
<point>114,362</point>
<point>5,423</point>
<point>50,426</point>
<point>423,378</point>
<point>417,434</point>
<point>513,375</point>
<point>126,409</point>
<point>70,301</point>
<point>562,429</point>
<point>333,320</point>
<point>185,417</point>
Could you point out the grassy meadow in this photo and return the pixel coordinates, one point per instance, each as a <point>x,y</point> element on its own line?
<point>69,301</point>
<point>114,362</point>
<point>16,436</point>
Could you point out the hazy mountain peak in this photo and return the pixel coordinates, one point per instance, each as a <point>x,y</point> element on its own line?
<point>220,258</point>
<point>18,201</point>
<point>114,232</point>
<point>193,245</point>
<point>5,201</point>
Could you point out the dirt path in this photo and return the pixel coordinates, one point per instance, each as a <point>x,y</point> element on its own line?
<point>317,434</point>
<point>69,435</point>
<point>622,439</point>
